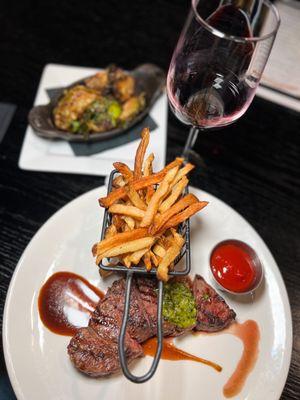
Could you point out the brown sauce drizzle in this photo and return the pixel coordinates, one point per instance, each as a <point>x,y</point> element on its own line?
<point>173,353</point>
<point>66,301</point>
<point>249,334</point>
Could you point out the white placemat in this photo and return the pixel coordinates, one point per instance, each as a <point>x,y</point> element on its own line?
<point>40,154</point>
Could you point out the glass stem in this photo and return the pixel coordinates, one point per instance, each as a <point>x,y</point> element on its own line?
<point>193,134</point>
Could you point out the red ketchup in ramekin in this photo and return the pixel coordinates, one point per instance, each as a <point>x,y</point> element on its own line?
<point>236,267</point>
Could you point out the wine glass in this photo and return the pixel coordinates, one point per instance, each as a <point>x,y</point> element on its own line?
<point>218,62</point>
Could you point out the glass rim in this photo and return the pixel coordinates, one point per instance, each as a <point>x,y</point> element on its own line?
<point>241,39</point>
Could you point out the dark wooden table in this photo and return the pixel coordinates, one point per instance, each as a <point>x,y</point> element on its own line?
<point>253,165</point>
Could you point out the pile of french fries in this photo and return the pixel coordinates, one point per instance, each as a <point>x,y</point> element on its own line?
<point>146,208</point>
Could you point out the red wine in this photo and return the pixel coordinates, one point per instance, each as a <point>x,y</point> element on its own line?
<point>207,82</point>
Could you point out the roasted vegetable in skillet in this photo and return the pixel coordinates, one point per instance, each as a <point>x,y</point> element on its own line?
<point>107,100</point>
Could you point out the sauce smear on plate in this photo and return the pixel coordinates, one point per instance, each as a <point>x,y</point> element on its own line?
<point>249,334</point>
<point>66,301</point>
<point>232,266</point>
<point>173,353</point>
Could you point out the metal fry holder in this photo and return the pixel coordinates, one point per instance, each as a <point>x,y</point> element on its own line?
<point>184,230</point>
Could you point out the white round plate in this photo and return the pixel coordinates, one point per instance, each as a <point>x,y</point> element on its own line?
<point>37,360</point>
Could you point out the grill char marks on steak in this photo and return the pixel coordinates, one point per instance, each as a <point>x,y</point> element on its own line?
<point>147,290</point>
<point>96,356</point>
<point>139,324</point>
<point>94,350</point>
<point>213,314</point>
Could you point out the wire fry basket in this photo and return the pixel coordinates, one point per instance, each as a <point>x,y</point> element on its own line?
<point>185,267</point>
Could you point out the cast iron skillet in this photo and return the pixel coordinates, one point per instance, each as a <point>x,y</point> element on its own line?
<point>150,79</point>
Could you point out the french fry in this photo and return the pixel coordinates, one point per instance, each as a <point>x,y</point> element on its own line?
<point>183,215</point>
<point>168,178</point>
<point>154,259</point>
<point>171,266</point>
<point>137,255</point>
<point>140,154</point>
<point>182,172</point>
<point>120,238</point>
<point>135,198</point>
<point>119,181</point>
<point>117,222</point>
<point>147,261</point>
<point>126,260</point>
<point>127,247</point>
<point>154,204</point>
<point>169,241</point>
<point>131,211</point>
<point>169,257</point>
<point>124,170</point>
<point>159,250</point>
<point>170,175</point>
<point>130,223</point>
<point>178,239</point>
<point>147,169</point>
<point>138,184</point>
<point>94,249</point>
<point>183,203</point>
<point>162,241</point>
<point>176,192</point>
<point>111,230</point>
<point>149,193</point>
<point>178,161</point>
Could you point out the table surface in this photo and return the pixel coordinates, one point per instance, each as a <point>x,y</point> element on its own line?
<point>253,165</point>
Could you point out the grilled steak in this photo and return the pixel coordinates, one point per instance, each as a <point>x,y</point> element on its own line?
<point>139,324</point>
<point>147,290</point>
<point>213,314</point>
<point>98,356</point>
<point>94,350</point>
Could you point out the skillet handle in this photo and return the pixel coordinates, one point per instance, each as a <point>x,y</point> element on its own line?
<point>121,342</point>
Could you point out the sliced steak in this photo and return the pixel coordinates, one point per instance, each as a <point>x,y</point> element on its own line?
<point>139,325</point>
<point>148,292</point>
<point>148,295</point>
<point>94,350</point>
<point>96,356</point>
<point>213,314</point>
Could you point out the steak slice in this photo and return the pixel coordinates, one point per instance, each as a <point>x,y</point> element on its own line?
<point>97,356</point>
<point>147,289</point>
<point>148,295</point>
<point>148,292</point>
<point>139,325</point>
<point>94,350</point>
<point>213,314</point>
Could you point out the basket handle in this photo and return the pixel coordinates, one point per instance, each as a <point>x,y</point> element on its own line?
<point>122,356</point>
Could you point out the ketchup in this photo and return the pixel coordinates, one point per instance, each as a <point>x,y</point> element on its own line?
<point>233,267</point>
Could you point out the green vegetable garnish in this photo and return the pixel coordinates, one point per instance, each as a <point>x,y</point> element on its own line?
<point>179,305</point>
<point>206,297</point>
<point>114,110</point>
<point>104,113</point>
<point>75,126</point>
